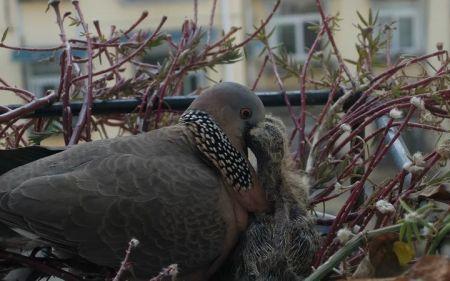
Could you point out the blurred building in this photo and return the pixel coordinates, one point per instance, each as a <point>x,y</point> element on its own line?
<point>31,26</point>
<point>420,25</point>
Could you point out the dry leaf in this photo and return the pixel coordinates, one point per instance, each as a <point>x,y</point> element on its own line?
<point>428,268</point>
<point>381,260</point>
<point>382,256</point>
<point>439,193</point>
<point>371,279</point>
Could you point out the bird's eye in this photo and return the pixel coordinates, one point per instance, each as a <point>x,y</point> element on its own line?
<point>246,113</point>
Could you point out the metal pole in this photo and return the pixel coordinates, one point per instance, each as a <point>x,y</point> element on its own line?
<point>399,150</point>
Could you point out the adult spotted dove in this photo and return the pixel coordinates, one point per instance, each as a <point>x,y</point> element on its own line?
<point>184,191</point>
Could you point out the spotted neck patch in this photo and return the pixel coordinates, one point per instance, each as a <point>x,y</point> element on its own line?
<point>216,146</point>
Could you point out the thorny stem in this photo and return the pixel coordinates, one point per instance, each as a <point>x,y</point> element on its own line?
<point>51,49</point>
<point>164,85</point>
<point>261,70</point>
<point>127,58</point>
<point>143,16</point>
<point>369,111</point>
<point>28,96</point>
<point>261,27</point>
<point>388,46</point>
<point>27,108</point>
<point>66,75</point>
<point>211,22</point>
<point>107,54</point>
<point>85,113</point>
<point>19,136</point>
<point>336,51</point>
<point>324,112</point>
<point>302,117</point>
<point>196,12</point>
<point>280,83</point>
<point>125,264</point>
<point>379,153</point>
<point>376,81</point>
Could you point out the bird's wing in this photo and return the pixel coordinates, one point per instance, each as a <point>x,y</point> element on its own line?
<point>95,205</point>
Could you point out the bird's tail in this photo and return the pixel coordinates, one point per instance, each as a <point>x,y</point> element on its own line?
<point>13,158</point>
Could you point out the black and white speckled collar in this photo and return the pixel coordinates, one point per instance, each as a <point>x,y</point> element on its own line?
<point>217,147</point>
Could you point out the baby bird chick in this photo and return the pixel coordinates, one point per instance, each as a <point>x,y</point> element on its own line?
<point>278,245</point>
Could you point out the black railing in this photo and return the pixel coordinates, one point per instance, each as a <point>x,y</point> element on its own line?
<point>269,99</point>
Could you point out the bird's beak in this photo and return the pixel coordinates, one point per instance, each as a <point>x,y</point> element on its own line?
<point>247,140</point>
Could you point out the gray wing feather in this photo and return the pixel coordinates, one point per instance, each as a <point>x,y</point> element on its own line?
<point>93,200</point>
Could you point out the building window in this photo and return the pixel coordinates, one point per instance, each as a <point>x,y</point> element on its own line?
<point>41,77</point>
<point>407,20</point>
<point>295,34</point>
<point>193,81</point>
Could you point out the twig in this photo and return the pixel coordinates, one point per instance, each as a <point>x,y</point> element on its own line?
<point>211,22</point>
<point>27,108</point>
<point>261,69</point>
<point>336,51</point>
<point>129,57</point>
<point>26,95</point>
<point>170,271</point>
<point>85,113</point>
<point>302,118</point>
<point>125,264</point>
<point>107,54</point>
<point>280,82</point>
<point>143,16</point>
<point>66,75</point>
<point>196,12</point>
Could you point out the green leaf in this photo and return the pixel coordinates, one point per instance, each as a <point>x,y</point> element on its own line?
<point>270,33</point>
<point>351,61</point>
<point>5,33</point>
<point>376,17</point>
<point>361,18</point>
<point>416,231</point>
<point>402,232</point>
<point>406,207</point>
<point>52,129</point>
<point>74,21</point>
<point>409,233</point>
<point>157,41</point>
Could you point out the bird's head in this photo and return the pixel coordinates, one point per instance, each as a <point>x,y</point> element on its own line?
<point>234,107</point>
<point>220,120</point>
